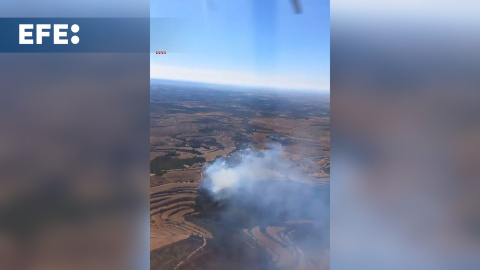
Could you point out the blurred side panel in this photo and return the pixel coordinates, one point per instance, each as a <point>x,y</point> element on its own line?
<point>73,160</point>
<point>74,133</point>
<point>405,135</point>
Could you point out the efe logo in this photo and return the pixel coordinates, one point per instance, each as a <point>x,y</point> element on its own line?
<point>43,30</point>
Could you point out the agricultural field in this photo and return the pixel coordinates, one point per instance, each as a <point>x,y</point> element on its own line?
<point>192,126</point>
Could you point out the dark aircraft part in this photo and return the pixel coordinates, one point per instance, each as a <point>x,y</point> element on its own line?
<point>296,6</point>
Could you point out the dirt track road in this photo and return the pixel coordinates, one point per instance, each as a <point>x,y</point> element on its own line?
<point>191,254</point>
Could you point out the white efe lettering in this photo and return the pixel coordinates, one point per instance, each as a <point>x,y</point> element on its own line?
<point>57,34</point>
<point>60,33</point>
<point>23,34</point>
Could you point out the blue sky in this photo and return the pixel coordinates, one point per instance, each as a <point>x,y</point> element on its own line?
<point>246,42</point>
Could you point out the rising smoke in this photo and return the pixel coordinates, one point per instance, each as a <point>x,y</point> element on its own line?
<point>263,188</point>
<point>246,169</point>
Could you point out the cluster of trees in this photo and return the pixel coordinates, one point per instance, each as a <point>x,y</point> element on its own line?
<point>160,165</point>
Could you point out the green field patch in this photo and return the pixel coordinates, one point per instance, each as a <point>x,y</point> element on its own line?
<point>160,165</point>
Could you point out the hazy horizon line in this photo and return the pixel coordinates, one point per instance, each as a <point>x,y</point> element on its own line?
<point>317,91</point>
<point>241,78</point>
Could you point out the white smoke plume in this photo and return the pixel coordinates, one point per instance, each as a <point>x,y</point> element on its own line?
<point>248,168</point>
<point>262,189</point>
<point>265,186</point>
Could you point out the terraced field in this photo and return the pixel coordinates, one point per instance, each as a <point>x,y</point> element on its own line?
<point>169,204</point>
<point>193,126</point>
<point>182,244</point>
<point>286,253</point>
